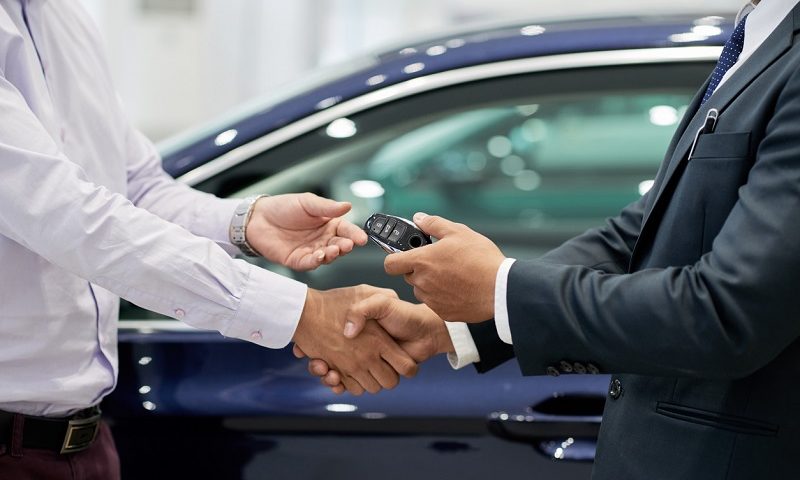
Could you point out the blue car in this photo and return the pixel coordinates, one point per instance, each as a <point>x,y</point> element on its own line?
<point>529,133</point>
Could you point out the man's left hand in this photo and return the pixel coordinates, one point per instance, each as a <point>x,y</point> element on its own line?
<point>454,276</point>
<point>302,231</point>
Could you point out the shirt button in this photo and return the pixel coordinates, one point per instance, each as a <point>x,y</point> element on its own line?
<point>180,313</point>
<point>256,335</point>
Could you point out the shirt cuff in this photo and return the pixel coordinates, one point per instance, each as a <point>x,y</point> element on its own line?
<point>269,309</point>
<point>501,322</point>
<point>465,350</point>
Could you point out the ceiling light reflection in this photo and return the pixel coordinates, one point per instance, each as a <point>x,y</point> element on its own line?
<point>455,43</point>
<point>707,30</point>
<point>436,50</point>
<point>374,415</point>
<point>663,115</point>
<point>367,189</point>
<point>144,389</point>
<point>499,146</point>
<point>527,180</point>
<point>413,68</point>
<point>711,20</point>
<point>532,30</point>
<point>645,186</point>
<point>528,110</point>
<point>225,137</point>
<point>687,37</point>
<point>149,406</point>
<point>341,408</point>
<point>376,80</point>
<point>328,102</point>
<point>512,165</point>
<point>145,360</point>
<point>341,128</point>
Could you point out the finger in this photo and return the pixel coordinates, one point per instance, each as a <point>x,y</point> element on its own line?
<point>399,360</point>
<point>330,253</point>
<point>434,225</point>
<point>298,352</point>
<point>345,244</point>
<point>309,261</point>
<point>332,379</point>
<point>374,307</point>
<point>352,386</point>
<point>384,374</point>
<point>402,262</point>
<point>355,233</point>
<point>317,206</point>
<point>318,368</point>
<point>368,382</point>
<point>338,389</point>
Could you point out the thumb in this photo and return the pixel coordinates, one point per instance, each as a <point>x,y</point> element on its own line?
<point>317,206</point>
<point>434,225</point>
<point>371,308</point>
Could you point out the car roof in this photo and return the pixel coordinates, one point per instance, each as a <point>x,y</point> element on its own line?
<point>455,50</point>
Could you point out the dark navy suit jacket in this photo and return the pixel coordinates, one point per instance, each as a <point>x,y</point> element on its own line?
<point>691,296</point>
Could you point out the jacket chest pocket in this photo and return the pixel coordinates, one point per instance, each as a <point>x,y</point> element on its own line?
<point>710,184</point>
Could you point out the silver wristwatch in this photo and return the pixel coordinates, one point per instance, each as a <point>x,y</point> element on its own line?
<point>238,229</point>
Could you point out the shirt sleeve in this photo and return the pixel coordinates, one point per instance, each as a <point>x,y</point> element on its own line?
<point>501,322</point>
<point>52,207</point>
<point>151,188</point>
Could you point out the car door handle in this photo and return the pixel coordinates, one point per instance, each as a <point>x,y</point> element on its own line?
<point>563,427</point>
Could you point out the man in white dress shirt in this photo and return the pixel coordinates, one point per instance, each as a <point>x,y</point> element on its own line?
<point>87,215</point>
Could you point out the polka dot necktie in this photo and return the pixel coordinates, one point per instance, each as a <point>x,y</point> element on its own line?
<point>730,54</point>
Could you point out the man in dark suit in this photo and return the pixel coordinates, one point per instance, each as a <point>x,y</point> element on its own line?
<point>689,297</point>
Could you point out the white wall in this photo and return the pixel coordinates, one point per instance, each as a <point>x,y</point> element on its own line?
<point>178,63</point>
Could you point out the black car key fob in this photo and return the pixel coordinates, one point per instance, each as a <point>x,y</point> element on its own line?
<point>395,234</point>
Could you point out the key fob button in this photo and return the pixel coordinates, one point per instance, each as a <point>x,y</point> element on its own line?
<point>378,224</point>
<point>387,230</point>
<point>398,232</point>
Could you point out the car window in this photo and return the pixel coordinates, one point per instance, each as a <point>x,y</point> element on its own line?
<point>528,161</point>
<point>514,168</point>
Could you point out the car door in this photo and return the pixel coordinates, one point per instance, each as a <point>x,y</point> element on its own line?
<point>529,157</point>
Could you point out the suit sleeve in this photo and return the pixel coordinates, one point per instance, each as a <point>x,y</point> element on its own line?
<point>607,249</point>
<point>724,316</point>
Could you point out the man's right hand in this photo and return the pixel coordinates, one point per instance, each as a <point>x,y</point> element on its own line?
<point>416,328</point>
<point>371,361</point>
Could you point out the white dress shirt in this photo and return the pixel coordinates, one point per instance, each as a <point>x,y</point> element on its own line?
<point>762,20</point>
<point>87,216</point>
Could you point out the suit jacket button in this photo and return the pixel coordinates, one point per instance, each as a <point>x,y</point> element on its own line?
<point>579,368</point>
<point>566,367</point>
<point>553,371</point>
<point>615,391</point>
<point>592,368</point>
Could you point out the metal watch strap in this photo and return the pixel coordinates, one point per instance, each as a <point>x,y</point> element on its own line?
<point>238,228</point>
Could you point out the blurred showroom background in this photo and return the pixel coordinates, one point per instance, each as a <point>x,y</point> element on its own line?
<point>179,63</point>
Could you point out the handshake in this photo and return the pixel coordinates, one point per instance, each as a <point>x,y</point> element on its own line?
<point>363,338</point>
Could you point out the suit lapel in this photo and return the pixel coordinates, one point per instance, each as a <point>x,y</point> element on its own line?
<point>773,47</point>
